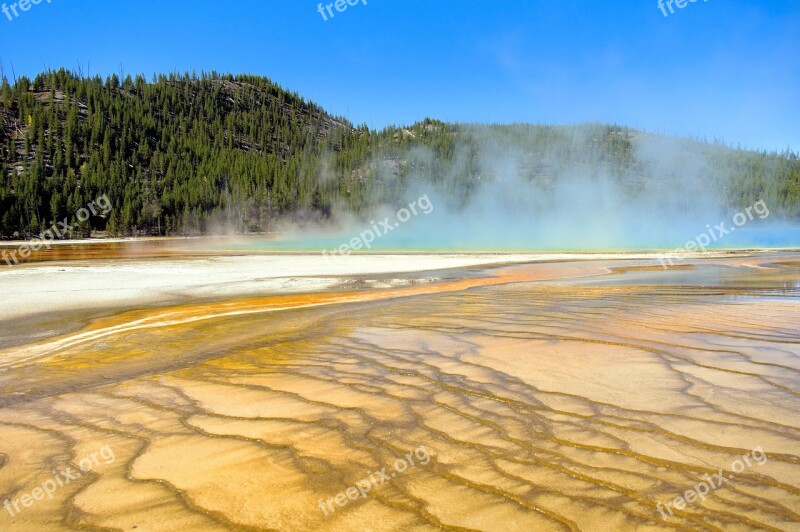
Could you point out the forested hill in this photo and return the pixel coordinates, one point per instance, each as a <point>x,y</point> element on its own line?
<point>171,154</point>
<point>183,154</point>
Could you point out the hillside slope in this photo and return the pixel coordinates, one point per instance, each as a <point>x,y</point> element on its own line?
<point>185,154</point>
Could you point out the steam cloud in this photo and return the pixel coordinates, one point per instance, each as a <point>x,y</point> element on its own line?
<point>527,199</point>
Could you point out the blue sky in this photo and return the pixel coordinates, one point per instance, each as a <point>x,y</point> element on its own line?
<point>722,68</point>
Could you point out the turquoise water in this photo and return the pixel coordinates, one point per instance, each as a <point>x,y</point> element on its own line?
<point>416,242</point>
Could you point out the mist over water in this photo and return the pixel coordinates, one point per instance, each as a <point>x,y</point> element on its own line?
<point>546,195</point>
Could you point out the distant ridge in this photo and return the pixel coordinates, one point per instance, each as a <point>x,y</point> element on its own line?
<point>188,154</point>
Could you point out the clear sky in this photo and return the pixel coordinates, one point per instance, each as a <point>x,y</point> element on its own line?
<point>728,69</point>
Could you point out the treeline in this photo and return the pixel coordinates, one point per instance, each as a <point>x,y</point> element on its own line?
<point>175,155</point>
<point>188,154</point>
